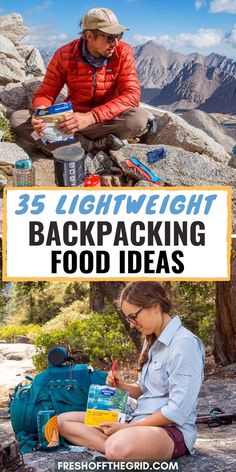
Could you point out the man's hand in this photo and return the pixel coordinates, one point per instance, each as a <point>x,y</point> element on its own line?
<point>111,428</point>
<point>73,122</point>
<point>38,124</point>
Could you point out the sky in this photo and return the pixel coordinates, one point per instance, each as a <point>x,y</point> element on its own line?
<point>187,26</point>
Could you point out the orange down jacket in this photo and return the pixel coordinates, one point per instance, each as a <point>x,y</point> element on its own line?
<point>107,90</point>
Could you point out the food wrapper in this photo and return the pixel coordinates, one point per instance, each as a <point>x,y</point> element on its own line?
<point>51,134</point>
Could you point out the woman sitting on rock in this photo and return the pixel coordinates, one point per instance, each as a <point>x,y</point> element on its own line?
<point>171,371</point>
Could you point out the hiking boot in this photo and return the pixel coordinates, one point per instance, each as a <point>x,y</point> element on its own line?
<point>150,134</point>
<point>45,152</point>
<point>12,459</point>
<point>109,142</point>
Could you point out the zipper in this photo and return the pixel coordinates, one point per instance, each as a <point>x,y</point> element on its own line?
<point>94,87</point>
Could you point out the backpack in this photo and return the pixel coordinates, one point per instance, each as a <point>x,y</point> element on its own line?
<point>61,388</point>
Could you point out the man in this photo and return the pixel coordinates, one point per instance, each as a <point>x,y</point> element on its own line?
<point>99,71</point>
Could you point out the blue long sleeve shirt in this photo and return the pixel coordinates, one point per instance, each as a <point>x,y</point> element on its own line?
<point>171,379</point>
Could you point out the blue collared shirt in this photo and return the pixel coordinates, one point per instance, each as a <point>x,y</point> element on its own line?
<point>171,379</point>
<point>93,61</point>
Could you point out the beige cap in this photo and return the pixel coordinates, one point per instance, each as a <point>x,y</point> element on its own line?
<point>102,19</point>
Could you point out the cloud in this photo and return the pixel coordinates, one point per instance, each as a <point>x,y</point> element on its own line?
<point>231,37</point>
<point>199,4</point>
<point>223,6</point>
<point>203,38</point>
<point>141,39</point>
<point>40,7</point>
<point>43,36</point>
<point>43,6</point>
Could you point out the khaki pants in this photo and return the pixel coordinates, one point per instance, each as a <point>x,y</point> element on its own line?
<point>129,124</point>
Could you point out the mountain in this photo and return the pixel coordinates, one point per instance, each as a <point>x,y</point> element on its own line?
<point>175,81</point>
<point>47,55</point>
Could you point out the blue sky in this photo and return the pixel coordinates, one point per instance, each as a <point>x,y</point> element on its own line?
<point>204,26</point>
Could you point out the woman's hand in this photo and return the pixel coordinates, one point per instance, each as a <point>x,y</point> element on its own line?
<point>114,379</point>
<point>73,122</point>
<point>111,428</point>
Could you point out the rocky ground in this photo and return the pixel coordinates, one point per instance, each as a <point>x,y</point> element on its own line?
<point>215,449</point>
<point>179,167</point>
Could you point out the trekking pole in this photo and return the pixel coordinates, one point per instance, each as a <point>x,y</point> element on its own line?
<point>216,418</point>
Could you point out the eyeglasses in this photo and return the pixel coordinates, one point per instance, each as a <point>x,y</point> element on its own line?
<point>133,316</point>
<point>111,37</point>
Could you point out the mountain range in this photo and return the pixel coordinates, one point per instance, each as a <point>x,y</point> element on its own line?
<point>178,82</point>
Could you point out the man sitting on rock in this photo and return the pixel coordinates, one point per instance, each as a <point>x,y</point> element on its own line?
<point>99,71</point>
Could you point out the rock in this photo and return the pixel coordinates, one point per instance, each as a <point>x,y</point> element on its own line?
<point>35,64</point>
<point>62,95</point>
<point>144,183</point>
<point>3,110</point>
<point>7,170</point>
<point>24,50</point>
<point>208,124</point>
<point>11,26</point>
<point>16,364</point>
<point>10,71</point>
<point>21,339</point>
<point>228,369</point>
<point>8,49</point>
<point>24,350</point>
<point>1,135</point>
<point>31,85</point>
<point>181,168</point>
<point>112,181</point>
<point>14,97</point>
<point>10,152</point>
<point>44,171</point>
<point>13,357</point>
<point>232,162</point>
<point>101,162</point>
<point>173,130</point>
<point>3,181</point>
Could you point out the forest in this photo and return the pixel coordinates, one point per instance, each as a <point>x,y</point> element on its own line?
<point>86,318</point>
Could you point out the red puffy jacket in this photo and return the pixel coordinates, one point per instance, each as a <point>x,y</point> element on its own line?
<point>107,90</point>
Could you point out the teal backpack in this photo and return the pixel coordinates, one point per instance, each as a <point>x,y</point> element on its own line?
<point>60,387</point>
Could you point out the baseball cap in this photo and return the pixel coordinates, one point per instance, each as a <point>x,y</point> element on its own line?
<point>102,19</point>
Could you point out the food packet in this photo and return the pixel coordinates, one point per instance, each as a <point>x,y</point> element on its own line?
<point>51,134</point>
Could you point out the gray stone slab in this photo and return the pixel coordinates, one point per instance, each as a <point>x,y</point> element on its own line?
<point>10,152</point>
<point>180,167</point>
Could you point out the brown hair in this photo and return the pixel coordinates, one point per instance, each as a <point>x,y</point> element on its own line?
<point>146,294</point>
<point>96,33</point>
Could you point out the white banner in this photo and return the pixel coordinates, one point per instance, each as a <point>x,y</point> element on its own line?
<point>179,233</point>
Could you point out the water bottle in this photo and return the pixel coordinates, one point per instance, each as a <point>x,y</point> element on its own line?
<point>23,173</point>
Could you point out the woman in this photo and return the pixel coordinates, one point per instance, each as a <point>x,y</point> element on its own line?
<point>171,371</point>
